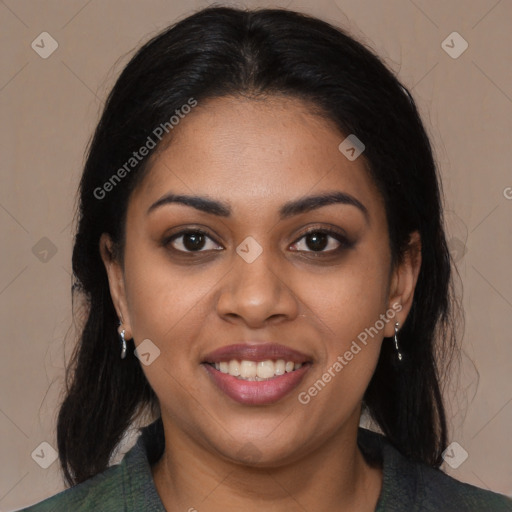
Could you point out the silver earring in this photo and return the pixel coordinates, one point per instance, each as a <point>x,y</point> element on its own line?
<point>399,355</point>
<point>123,344</point>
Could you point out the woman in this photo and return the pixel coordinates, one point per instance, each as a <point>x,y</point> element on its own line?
<point>261,246</point>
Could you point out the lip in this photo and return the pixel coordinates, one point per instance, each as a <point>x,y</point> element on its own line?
<point>257,392</point>
<point>251,351</point>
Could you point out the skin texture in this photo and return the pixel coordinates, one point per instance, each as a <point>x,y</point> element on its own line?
<point>255,155</point>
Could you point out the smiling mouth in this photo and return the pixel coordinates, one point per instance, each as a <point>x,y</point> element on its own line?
<point>256,370</point>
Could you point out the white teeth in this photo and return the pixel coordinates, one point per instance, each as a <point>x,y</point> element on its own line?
<point>265,369</point>
<point>261,370</point>
<point>247,369</point>
<point>279,367</point>
<point>234,368</point>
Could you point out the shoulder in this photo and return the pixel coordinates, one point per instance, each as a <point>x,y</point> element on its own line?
<point>415,487</point>
<point>125,486</point>
<point>440,491</point>
<point>101,492</point>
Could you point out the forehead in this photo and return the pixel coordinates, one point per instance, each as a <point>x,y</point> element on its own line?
<point>255,153</point>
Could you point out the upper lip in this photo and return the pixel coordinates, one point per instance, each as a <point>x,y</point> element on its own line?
<point>256,352</point>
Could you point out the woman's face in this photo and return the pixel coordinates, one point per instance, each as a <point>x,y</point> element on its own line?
<point>255,277</point>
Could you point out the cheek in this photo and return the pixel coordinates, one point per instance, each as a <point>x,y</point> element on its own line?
<point>163,302</point>
<point>167,306</point>
<point>347,306</point>
<point>349,299</point>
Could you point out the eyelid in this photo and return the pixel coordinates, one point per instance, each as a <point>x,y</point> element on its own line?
<point>338,234</point>
<point>322,228</point>
<point>171,238</point>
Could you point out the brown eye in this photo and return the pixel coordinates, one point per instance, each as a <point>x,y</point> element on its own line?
<point>192,241</point>
<point>317,241</point>
<point>321,241</point>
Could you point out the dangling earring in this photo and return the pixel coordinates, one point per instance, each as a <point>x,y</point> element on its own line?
<point>399,355</point>
<point>123,344</point>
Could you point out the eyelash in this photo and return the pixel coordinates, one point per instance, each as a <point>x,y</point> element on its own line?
<point>344,242</point>
<point>338,236</point>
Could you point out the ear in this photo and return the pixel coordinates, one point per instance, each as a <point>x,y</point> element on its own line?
<point>403,283</point>
<point>116,283</point>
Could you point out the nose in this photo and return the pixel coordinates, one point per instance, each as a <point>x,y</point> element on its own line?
<point>256,293</point>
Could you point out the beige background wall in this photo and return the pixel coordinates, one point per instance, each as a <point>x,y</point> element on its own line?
<point>49,108</point>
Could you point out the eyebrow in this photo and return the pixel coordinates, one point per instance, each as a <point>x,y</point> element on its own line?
<point>289,209</point>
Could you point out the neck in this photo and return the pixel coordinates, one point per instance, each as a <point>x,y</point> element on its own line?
<point>334,476</point>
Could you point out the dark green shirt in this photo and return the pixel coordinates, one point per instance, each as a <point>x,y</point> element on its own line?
<point>407,486</point>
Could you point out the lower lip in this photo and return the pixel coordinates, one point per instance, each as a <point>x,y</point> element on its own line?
<point>257,392</point>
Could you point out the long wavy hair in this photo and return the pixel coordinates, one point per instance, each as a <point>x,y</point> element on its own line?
<point>224,51</point>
